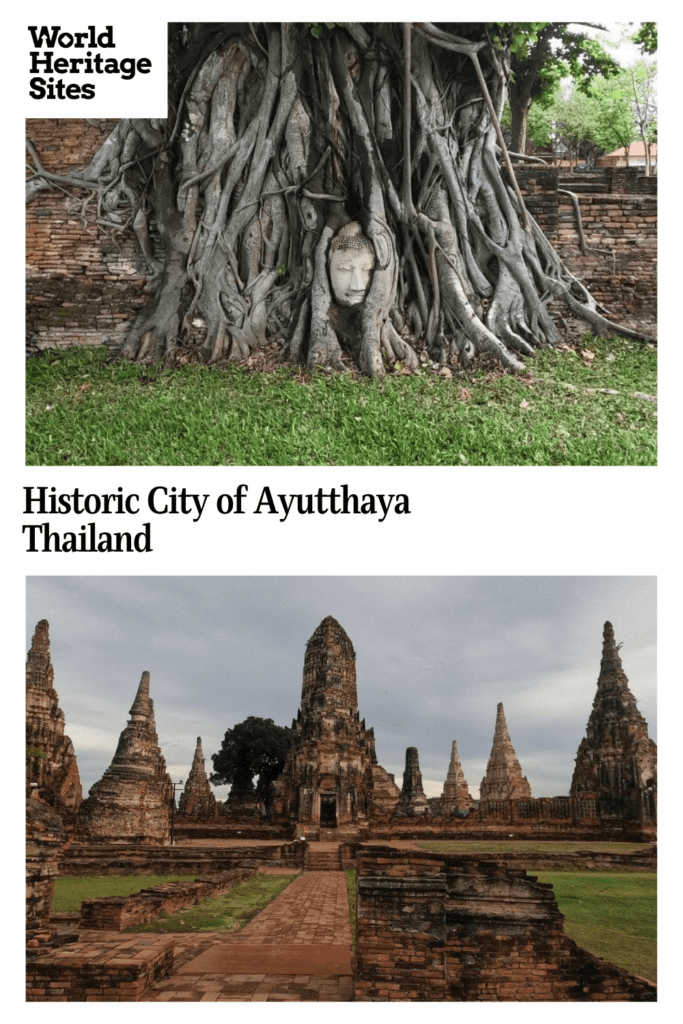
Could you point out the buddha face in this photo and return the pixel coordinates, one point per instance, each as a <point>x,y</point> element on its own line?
<point>350,275</point>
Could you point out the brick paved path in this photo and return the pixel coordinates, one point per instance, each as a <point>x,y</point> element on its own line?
<point>310,918</point>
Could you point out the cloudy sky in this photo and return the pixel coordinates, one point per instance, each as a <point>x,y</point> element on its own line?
<point>435,655</point>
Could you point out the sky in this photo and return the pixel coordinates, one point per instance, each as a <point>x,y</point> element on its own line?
<point>434,655</point>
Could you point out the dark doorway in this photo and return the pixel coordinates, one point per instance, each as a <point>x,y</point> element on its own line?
<point>328,811</point>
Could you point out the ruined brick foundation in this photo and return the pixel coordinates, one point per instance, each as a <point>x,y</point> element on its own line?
<point>453,928</point>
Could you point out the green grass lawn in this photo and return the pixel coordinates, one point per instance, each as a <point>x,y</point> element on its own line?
<point>612,915</point>
<point>81,410</point>
<point>70,892</point>
<point>527,846</point>
<point>223,913</point>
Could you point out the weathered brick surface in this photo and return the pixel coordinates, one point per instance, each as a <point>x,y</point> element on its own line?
<point>101,859</point>
<point>331,776</point>
<point>82,283</point>
<point>616,764</point>
<point>197,799</point>
<point>51,768</point>
<point>503,779</point>
<point>621,224</point>
<point>456,797</point>
<point>116,913</point>
<point>433,927</point>
<point>120,970</point>
<point>45,838</point>
<point>132,800</point>
<point>412,801</point>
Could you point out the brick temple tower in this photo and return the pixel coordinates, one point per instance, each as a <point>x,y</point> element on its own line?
<point>616,763</point>
<point>331,777</point>
<point>197,797</point>
<point>456,799</point>
<point>51,768</point>
<point>132,801</point>
<point>412,803</point>
<point>503,779</point>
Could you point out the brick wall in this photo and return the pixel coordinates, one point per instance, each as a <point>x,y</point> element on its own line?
<point>579,860</point>
<point>622,274</point>
<point>82,283</point>
<point>116,913</point>
<point>45,839</point>
<point>106,971</point>
<point>434,928</point>
<point>102,859</point>
<point>630,180</point>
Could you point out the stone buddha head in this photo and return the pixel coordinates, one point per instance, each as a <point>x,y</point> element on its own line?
<point>351,263</point>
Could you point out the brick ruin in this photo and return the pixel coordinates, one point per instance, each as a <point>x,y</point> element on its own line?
<point>51,768</point>
<point>132,800</point>
<point>618,208</point>
<point>82,285</point>
<point>197,800</point>
<point>331,777</point>
<point>503,779</point>
<point>412,801</point>
<point>616,765</point>
<point>438,927</point>
<point>456,799</point>
<point>45,840</point>
<point>432,927</point>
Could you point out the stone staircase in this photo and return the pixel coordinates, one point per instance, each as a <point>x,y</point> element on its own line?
<point>326,859</point>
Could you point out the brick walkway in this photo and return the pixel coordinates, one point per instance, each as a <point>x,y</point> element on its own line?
<point>310,918</point>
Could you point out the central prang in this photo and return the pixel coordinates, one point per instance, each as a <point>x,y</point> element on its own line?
<point>351,263</point>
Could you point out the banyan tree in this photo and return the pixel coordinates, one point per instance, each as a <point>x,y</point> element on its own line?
<point>343,188</point>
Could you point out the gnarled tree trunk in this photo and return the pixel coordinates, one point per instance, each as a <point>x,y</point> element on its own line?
<point>277,136</point>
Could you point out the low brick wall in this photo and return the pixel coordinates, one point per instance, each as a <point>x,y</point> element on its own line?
<point>473,828</point>
<point>622,274</point>
<point>116,913</point>
<point>187,829</point>
<point>630,180</point>
<point>579,860</point>
<point>108,971</point>
<point>433,927</point>
<point>91,859</point>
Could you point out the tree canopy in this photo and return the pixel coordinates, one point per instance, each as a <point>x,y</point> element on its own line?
<point>554,50</point>
<point>256,746</point>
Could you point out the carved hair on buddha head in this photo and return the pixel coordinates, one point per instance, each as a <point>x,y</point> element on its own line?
<point>351,263</point>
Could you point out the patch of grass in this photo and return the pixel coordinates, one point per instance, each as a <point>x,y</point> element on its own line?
<point>612,915</point>
<point>229,912</point>
<point>351,889</point>
<point>70,892</point>
<point>82,410</point>
<point>528,846</point>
